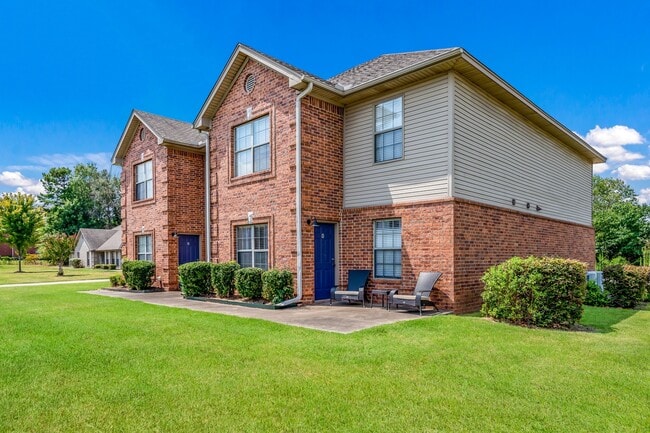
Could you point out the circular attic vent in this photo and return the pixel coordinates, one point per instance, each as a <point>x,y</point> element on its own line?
<point>249,83</point>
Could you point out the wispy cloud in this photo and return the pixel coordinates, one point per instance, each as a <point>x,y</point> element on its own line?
<point>101,159</point>
<point>644,196</point>
<point>601,168</point>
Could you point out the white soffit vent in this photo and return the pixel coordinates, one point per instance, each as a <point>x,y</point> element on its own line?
<point>249,83</point>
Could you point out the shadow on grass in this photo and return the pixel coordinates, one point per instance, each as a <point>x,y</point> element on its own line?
<point>603,319</point>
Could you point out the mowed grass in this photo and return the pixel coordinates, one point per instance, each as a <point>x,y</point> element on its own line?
<point>46,274</point>
<point>75,362</point>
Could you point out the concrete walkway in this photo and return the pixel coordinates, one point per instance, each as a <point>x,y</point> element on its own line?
<point>341,318</point>
<point>52,283</point>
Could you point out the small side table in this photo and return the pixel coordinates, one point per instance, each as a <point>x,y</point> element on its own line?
<point>380,292</point>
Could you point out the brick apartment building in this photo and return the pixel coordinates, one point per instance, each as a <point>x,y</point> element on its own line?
<point>409,162</point>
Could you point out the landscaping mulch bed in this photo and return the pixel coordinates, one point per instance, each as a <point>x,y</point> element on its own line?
<point>127,290</point>
<point>251,303</point>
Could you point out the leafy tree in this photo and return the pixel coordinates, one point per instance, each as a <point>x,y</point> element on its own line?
<point>81,198</point>
<point>20,222</point>
<point>57,248</point>
<point>620,221</point>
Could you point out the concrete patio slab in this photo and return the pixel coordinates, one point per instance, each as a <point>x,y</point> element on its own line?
<point>340,318</point>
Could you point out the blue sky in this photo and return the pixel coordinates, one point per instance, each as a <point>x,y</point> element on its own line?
<point>71,71</point>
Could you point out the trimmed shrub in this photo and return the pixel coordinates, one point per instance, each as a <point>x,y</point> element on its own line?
<point>32,259</point>
<point>248,282</point>
<point>625,285</point>
<point>117,280</point>
<point>76,263</point>
<point>223,278</point>
<point>277,285</point>
<point>138,273</point>
<point>112,266</point>
<point>98,266</point>
<point>195,278</point>
<point>538,291</point>
<point>596,297</point>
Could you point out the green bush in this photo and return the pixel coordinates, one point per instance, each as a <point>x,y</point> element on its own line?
<point>625,285</point>
<point>248,282</point>
<point>277,285</point>
<point>596,297</point>
<point>98,266</point>
<point>138,273</point>
<point>112,266</point>
<point>195,278</point>
<point>117,280</point>
<point>538,291</point>
<point>223,278</point>
<point>76,263</point>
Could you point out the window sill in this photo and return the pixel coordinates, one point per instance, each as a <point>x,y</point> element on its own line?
<point>144,202</point>
<point>251,178</point>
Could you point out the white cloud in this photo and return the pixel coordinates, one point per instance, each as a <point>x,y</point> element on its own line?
<point>101,159</point>
<point>618,135</point>
<point>600,168</point>
<point>629,172</point>
<point>618,153</point>
<point>22,183</point>
<point>644,196</point>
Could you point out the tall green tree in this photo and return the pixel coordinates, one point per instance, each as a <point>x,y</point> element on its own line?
<point>620,221</point>
<point>81,198</point>
<point>20,222</point>
<point>57,248</point>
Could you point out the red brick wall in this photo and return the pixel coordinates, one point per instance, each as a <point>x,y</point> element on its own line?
<point>486,235</point>
<point>270,195</point>
<point>427,245</point>
<point>176,206</point>
<point>186,188</point>
<point>322,175</point>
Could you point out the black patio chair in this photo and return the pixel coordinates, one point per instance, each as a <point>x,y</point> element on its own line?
<point>355,291</point>
<point>421,293</point>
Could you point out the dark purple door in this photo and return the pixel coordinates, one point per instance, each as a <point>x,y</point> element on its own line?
<point>188,248</point>
<point>324,260</point>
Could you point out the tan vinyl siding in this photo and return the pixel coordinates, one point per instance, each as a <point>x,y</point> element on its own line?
<point>422,173</point>
<point>499,156</point>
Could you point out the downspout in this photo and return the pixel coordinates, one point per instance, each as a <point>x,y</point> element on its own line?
<point>298,198</point>
<point>208,241</point>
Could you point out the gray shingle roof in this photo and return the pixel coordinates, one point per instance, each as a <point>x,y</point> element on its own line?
<point>95,238</point>
<point>170,129</point>
<point>113,243</point>
<point>384,65</point>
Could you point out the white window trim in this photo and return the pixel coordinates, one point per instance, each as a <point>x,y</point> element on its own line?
<point>252,148</point>
<point>375,249</point>
<point>147,252</point>
<point>384,131</point>
<point>253,250</point>
<point>137,182</point>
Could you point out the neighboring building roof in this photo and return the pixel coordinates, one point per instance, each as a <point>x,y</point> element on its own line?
<point>167,131</point>
<point>96,238</point>
<point>383,65</point>
<point>113,243</point>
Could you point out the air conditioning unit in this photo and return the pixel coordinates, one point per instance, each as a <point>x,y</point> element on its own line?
<point>596,277</point>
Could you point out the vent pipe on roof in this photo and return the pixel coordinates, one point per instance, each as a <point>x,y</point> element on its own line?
<point>298,198</point>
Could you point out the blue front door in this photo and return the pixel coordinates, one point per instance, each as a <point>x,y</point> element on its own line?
<point>188,248</point>
<point>324,261</point>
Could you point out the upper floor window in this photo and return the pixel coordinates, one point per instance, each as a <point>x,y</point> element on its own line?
<point>388,248</point>
<point>252,147</point>
<point>143,181</point>
<point>253,246</point>
<point>144,247</point>
<point>388,130</point>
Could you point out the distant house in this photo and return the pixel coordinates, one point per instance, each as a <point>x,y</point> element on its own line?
<point>99,246</point>
<point>410,162</point>
<point>7,251</point>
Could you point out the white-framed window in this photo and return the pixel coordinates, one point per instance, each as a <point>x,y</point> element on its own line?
<point>388,130</point>
<point>144,247</point>
<point>252,147</point>
<point>143,181</point>
<point>388,248</point>
<point>253,246</point>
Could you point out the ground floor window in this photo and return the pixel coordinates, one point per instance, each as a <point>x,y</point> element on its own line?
<point>253,246</point>
<point>388,248</point>
<point>144,247</point>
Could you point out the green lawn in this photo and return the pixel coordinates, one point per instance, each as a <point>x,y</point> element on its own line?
<point>73,362</point>
<point>43,273</point>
